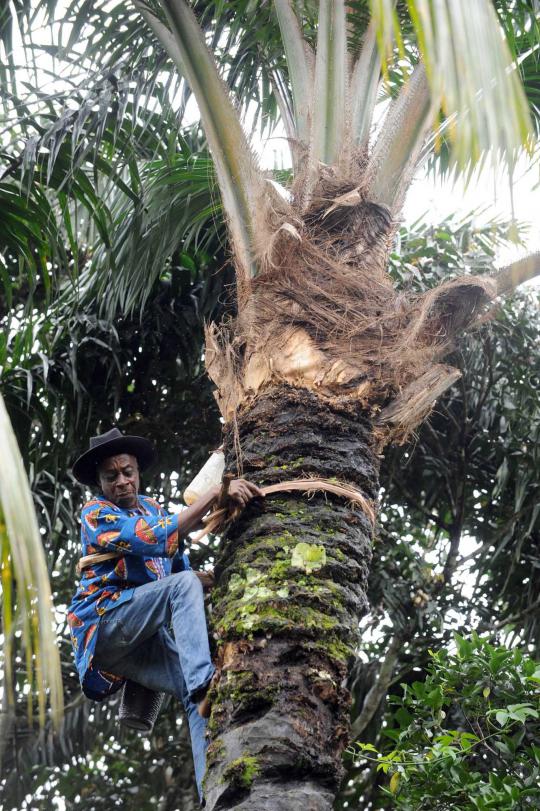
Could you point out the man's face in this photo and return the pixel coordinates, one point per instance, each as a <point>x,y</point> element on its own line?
<point>119,480</point>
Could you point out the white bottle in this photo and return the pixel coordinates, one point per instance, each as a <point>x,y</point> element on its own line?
<point>208,476</point>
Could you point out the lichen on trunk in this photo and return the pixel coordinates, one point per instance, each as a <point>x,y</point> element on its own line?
<point>291,588</point>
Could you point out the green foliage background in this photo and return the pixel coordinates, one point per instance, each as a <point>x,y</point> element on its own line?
<point>466,736</point>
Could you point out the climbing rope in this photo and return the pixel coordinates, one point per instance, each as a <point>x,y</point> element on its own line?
<point>223,515</point>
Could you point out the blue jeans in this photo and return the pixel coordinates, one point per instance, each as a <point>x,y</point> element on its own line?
<point>134,642</point>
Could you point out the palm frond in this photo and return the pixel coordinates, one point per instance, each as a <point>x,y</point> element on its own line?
<point>82,157</point>
<point>365,79</point>
<point>520,22</point>
<point>15,15</point>
<point>396,150</point>
<point>522,270</point>
<point>179,211</point>
<point>300,63</point>
<point>466,79</point>
<point>29,606</point>
<point>331,84</point>
<point>235,164</point>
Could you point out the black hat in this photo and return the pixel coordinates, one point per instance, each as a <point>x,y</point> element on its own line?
<point>112,443</point>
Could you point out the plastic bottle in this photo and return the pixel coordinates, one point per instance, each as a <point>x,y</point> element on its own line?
<point>208,476</point>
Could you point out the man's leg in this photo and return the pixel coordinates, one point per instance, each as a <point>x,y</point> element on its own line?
<point>177,599</point>
<point>155,664</point>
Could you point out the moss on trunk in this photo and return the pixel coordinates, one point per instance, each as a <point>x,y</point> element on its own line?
<point>291,588</point>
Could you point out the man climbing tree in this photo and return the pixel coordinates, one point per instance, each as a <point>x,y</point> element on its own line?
<point>325,361</point>
<point>136,582</point>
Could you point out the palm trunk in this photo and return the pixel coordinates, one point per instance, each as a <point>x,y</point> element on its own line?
<point>292,586</point>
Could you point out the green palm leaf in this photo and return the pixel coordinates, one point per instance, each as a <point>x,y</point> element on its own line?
<point>26,600</point>
<point>179,211</point>
<point>467,79</point>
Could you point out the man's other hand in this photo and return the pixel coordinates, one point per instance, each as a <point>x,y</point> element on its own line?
<point>241,492</point>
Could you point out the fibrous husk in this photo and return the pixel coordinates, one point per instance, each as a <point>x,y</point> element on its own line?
<point>323,314</point>
<point>412,405</point>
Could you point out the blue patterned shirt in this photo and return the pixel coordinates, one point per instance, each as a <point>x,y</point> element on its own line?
<point>147,538</point>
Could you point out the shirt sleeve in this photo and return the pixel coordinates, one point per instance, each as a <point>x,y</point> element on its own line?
<point>107,529</point>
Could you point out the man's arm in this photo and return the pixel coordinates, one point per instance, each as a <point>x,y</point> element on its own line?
<point>108,529</point>
<point>191,518</point>
<point>240,492</point>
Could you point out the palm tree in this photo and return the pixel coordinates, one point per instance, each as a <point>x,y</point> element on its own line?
<point>324,365</point>
<point>326,362</point>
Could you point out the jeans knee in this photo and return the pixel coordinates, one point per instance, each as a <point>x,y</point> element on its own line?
<point>185,583</point>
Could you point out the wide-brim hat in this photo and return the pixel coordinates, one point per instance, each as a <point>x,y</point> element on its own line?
<point>111,443</point>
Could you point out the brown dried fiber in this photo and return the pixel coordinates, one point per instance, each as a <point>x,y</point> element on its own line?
<point>325,274</point>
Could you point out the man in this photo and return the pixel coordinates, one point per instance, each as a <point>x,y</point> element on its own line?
<point>120,615</point>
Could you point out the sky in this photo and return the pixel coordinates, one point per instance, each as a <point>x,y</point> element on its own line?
<point>436,199</point>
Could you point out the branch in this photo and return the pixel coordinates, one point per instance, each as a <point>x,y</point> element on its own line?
<point>379,689</point>
<point>435,519</point>
<point>238,176</point>
<point>442,452</point>
<point>531,609</point>
<point>460,497</point>
<point>511,276</point>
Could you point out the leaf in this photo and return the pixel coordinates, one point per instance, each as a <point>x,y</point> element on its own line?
<point>520,712</point>
<point>367,747</point>
<point>300,67</point>
<point>469,67</point>
<point>529,667</point>
<point>464,647</point>
<point>239,177</point>
<point>23,561</point>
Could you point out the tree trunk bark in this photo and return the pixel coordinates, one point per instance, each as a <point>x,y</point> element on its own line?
<point>291,588</point>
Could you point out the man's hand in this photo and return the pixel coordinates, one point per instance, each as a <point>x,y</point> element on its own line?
<point>241,492</point>
<point>207,579</point>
